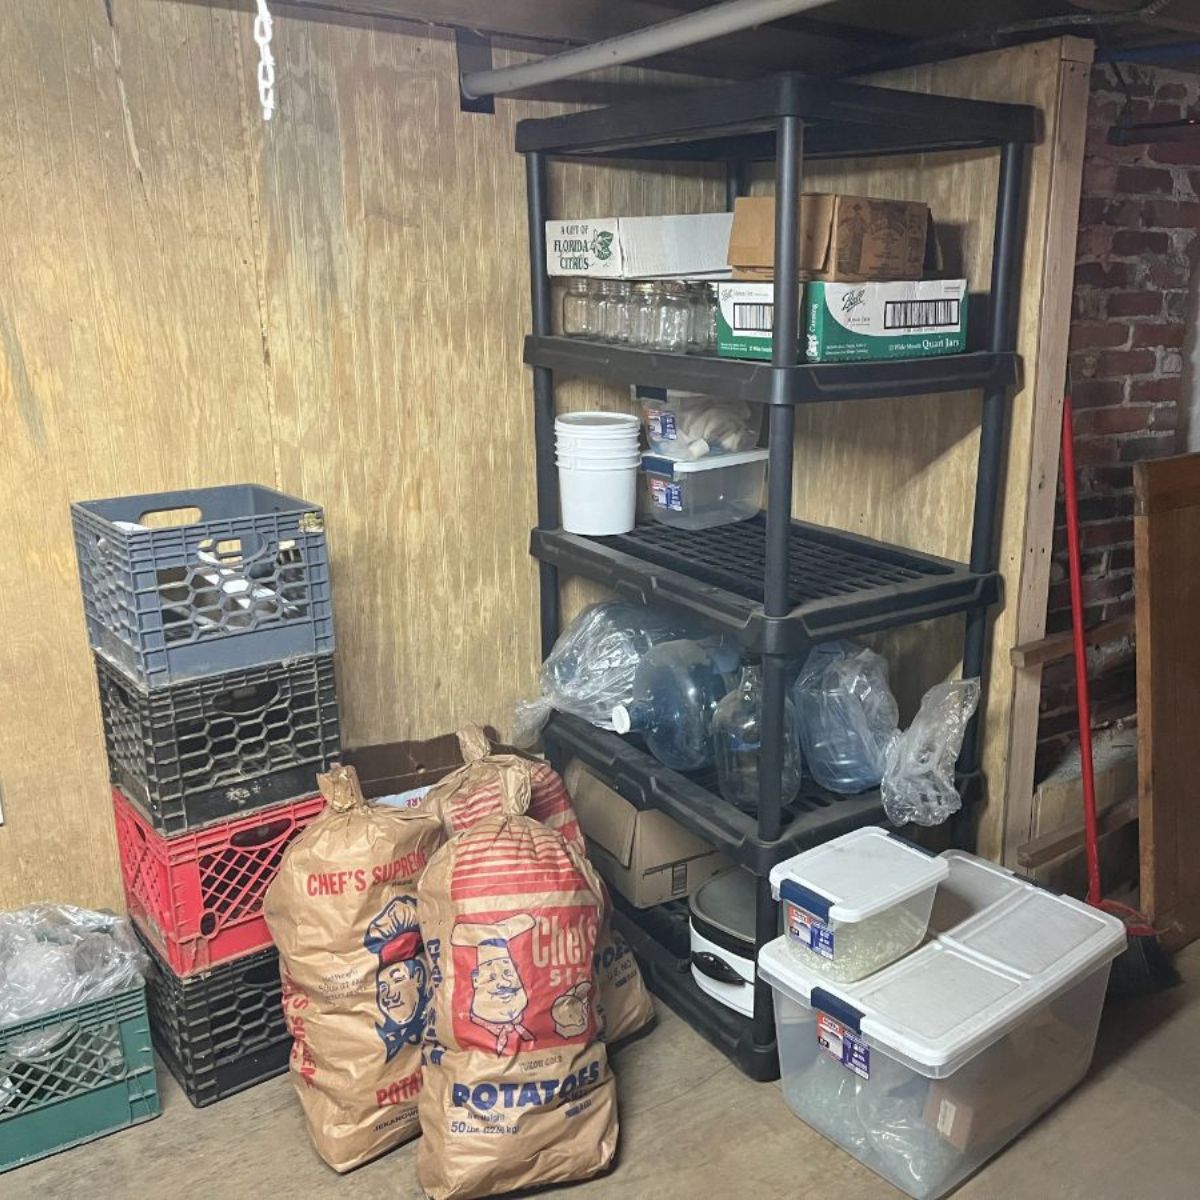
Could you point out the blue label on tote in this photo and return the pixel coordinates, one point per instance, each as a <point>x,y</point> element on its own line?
<point>666,495</point>
<point>841,1042</point>
<point>809,931</point>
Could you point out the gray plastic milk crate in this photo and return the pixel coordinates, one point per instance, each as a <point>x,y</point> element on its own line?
<point>244,583</point>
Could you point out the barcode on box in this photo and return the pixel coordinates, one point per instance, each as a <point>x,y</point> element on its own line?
<point>679,873</point>
<point>753,318</point>
<point>920,314</point>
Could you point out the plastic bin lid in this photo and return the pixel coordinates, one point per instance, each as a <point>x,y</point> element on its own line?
<point>662,464</point>
<point>971,886</point>
<point>941,1005</point>
<point>857,875</point>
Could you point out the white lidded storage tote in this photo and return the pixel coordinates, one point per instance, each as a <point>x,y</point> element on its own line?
<point>856,903</point>
<point>926,1069</point>
<point>716,490</point>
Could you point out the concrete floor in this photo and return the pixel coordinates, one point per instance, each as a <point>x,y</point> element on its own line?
<point>691,1125</point>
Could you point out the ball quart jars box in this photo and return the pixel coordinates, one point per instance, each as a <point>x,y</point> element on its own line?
<point>929,1067</point>
<point>856,903</point>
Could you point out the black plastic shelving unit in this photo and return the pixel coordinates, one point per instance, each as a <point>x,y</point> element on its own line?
<point>776,584</point>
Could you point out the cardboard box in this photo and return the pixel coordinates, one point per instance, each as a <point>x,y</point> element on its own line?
<point>745,320</point>
<point>1008,1084</point>
<point>848,322</point>
<point>645,856</point>
<point>400,773</point>
<point>843,238</point>
<point>844,322</point>
<point>692,246</point>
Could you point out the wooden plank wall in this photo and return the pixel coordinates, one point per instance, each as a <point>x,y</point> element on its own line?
<point>333,304</point>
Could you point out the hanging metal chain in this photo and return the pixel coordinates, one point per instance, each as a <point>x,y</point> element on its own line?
<point>263,29</point>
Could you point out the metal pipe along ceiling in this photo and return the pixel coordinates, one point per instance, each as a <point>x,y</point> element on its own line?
<point>675,34</point>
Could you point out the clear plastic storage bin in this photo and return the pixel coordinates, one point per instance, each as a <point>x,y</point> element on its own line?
<point>856,903</point>
<point>717,490</point>
<point>926,1069</point>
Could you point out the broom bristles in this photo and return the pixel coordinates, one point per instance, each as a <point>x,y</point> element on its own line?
<point>1142,968</point>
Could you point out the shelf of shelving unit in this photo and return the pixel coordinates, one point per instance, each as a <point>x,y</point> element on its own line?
<point>812,817</point>
<point>839,584</point>
<point>736,122</point>
<point>776,584</point>
<point>742,379</point>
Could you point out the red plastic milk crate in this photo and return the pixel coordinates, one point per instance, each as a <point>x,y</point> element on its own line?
<point>198,897</point>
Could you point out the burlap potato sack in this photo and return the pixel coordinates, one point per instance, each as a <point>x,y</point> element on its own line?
<point>518,1091</point>
<point>356,990</point>
<point>475,790</point>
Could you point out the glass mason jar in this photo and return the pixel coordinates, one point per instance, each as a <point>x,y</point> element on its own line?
<point>703,336</point>
<point>737,744</point>
<point>673,318</point>
<point>597,298</point>
<point>643,312</point>
<point>576,307</point>
<point>695,343</point>
<point>617,312</point>
<point>605,292</point>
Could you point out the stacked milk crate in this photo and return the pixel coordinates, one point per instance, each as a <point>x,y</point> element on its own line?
<point>209,615</point>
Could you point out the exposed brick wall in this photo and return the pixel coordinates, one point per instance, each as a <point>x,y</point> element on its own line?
<point>1138,220</point>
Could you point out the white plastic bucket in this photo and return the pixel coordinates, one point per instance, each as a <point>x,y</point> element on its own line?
<point>623,454</point>
<point>583,464</point>
<point>598,500</point>
<point>590,425</point>
<point>607,443</point>
<point>593,449</point>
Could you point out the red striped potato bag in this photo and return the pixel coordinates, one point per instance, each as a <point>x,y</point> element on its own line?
<point>476,790</point>
<point>517,1090</point>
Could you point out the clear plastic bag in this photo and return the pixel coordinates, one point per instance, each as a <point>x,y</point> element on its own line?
<point>918,780</point>
<point>590,670</point>
<point>848,716</point>
<point>689,426</point>
<point>54,955</point>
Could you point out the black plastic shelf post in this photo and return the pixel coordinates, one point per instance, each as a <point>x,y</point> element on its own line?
<point>778,585</point>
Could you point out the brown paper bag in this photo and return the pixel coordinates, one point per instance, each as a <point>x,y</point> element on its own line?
<point>476,790</point>
<point>518,1091</point>
<point>343,912</point>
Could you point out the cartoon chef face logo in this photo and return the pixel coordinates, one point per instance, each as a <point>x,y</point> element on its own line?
<point>401,981</point>
<point>498,999</point>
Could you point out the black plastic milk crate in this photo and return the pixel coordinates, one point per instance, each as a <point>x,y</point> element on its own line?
<point>221,1032</point>
<point>206,750</point>
<point>178,585</point>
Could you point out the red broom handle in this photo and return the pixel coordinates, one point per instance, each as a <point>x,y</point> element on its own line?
<point>1091,836</point>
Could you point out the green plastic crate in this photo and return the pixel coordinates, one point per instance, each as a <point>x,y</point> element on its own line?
<point>96,1077</point>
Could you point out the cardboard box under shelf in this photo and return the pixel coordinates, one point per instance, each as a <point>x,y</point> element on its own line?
<point>844,238</point>
<point>646,856</point>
